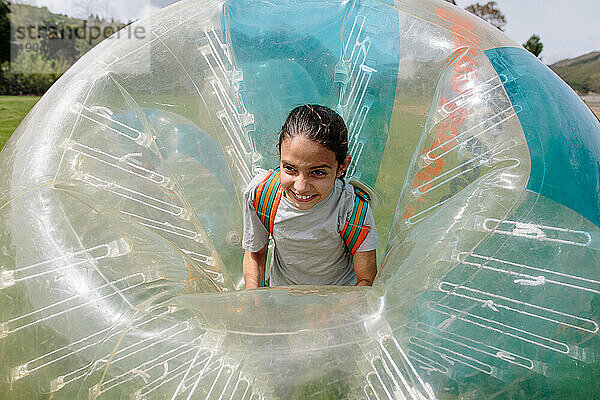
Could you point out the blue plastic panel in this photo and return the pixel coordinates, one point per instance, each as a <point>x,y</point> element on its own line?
<point>562,132</point>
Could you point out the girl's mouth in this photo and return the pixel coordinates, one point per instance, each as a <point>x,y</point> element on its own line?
<point>303,199</point>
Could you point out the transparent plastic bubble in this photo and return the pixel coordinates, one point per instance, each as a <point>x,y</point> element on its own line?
<point>120,217</point>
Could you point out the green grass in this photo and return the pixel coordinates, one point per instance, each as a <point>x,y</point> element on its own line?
<point>12,110</point>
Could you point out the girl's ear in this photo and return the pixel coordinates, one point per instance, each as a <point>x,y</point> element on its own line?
<point>343,166</point>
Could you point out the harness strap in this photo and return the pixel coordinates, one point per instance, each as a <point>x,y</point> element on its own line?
<point>354,231</point>
<point>268,196</point>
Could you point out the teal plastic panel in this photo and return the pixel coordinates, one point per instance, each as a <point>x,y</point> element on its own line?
<point>314,55</point>
<point>562,132</point>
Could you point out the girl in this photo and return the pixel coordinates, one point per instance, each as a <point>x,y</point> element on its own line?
<point>322,227</point>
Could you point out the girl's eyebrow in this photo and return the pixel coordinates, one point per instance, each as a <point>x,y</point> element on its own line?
<point>322,166</point>
<point>315,167</point>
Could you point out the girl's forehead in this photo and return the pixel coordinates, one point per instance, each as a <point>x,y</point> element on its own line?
<point>302,151</point>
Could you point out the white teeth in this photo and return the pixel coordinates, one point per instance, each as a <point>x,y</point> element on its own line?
<point>302,197</point>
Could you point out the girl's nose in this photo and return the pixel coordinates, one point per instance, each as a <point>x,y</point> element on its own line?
<point>300,184</point>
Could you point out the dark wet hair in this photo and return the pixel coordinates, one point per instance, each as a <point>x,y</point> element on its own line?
<point>320,124</point>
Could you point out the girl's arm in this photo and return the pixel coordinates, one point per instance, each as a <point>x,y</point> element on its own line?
<point>254,267</point>
<point>365,267</point>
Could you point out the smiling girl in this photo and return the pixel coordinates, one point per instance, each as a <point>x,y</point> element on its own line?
<point>322,227</point>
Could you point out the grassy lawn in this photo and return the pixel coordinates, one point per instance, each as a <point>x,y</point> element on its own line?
<point>12,110</point>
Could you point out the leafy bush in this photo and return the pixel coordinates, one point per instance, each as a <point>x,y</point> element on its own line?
<point>23,76</point>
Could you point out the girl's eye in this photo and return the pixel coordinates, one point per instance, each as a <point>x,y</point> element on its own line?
<point>320,172</point>
<point>288,168</point>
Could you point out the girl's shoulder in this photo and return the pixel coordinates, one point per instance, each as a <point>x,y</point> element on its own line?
<point>346,188</point>
<point>353,188</point>
<point>347,195</point>
<point>259,175</point>
<point>350,190</point>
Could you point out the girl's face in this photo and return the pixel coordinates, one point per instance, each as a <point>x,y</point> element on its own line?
<point>308,171</point>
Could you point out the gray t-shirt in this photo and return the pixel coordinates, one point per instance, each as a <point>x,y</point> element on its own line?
<point>308,247</point>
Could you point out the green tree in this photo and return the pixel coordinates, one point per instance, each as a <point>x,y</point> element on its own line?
<point>489,12</point>
<point>534,45</point>
<point>26,79</point>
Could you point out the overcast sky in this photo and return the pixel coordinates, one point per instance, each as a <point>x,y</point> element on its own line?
<point>121,10</point>
<point>567,28</point>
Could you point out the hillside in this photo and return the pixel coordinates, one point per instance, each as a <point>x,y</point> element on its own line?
<point>43,45</point>
<point>581,73</point>
<point>40,36</point>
